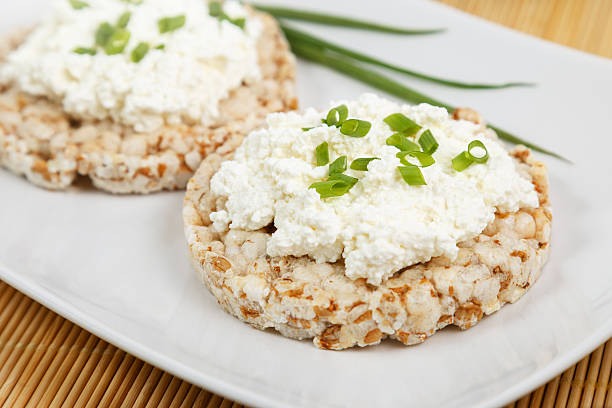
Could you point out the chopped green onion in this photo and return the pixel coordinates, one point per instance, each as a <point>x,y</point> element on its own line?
<point>383,83</point>
<point>342,21</point>
<point>462,161</point>
<point>124,19</point>
<point>331,188</point>
<point>85,51</point>
<point>215,9</point>
<point>103,34</point>
<point>161,47</point>
<point>424,159</point>
<point>398,122</point>
<point>117,42</point>
<point>168,24</point>
<point>412,175</point>
<point>477,144</point>
<point>351,181</point>
<point>336,116</point>
<point>355,127</point>
<point>78,4</point>
<point>322,154</point>
<point>428,142</point>
<point>240,22</point>
<point>400,141</point>
<point>338,165</point>
<point>361,164</point>
<point>306,129</point>
<point>140,51</point>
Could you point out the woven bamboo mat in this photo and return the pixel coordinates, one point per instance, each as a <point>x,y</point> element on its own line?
<point>46,361</point>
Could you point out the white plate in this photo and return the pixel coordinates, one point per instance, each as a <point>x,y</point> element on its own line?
<point>118,265</point>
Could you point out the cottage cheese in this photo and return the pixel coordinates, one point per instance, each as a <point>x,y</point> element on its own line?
<point>201,63</point>
<point>383,224</point>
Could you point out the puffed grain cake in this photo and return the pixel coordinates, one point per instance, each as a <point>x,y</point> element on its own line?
<point>302,299</point>
<point>39,140</point>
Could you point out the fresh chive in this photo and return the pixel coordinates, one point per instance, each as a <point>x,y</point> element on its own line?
<point>117,42</point>
<point>85,51</point>
<point>338,165</point>
<point>477,144</point>
<point>306,129</point>
<point>78,4</point>
<point>124,19</point>
<point>215,9</point>
<point>139,52</point>
<point>428,142</point>
<point>425,160</point>
<point>400,141</point>
<point>336,116</point>
<point>351,181</point>
<point>331,188</point>
<point>361,164</point>
<point>161,47</point>
<point>392,87</point>
<point>322,154</point>
<point>168,24</point>
<point>103,34</point>
<point>355,127</point>
<point>399,122</point>
<point>412,175</point>
<point>462,161</point>
<point>342,21</point>
<point>296,35</point>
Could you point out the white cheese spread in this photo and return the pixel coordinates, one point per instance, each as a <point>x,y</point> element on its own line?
<point>382,224</point>
<point>199,65</point>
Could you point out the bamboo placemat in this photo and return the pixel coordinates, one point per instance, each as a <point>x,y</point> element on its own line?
<point>46,361</point>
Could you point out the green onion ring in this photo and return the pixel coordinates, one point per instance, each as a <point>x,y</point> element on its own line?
<point>428,142</point>
<point>336,116</point>
<point>478,159</point>
<point>338,165</point>
<point>361,164</point>
<point>331,188</point>
<point>351,181</point>
<point>424,159</point>
<point>398,122</point>
<point>462,161</point>
<point>355,127</point>
<point>322,154</point>
<point>400,141</point>
<point>412,175</point>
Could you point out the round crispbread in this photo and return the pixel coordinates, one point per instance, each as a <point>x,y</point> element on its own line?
<point>39,140</point>
<point>302,299</point>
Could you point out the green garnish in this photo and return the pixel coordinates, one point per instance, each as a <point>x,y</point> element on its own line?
<point>412,175</point>
<point>398,122</point>
<point>240,22</point>
<point>215,9</point>
<point>161,47</point>
<point>477,144</point>
<point>78,4</point>
<point>381,82</point>
<point>124,19</point>
<point>322,154</point>
<point>351,181</point>
<point>306,129</point>
<point>117,42</point>
<point>325,18</point>
<point>425,160</point>
<point>338,165</point>
<point>361,164</point>
<point>355,127</point>
<point>294,35</point>
<point>331,188</point>
<point>85,51</point>
<point>168,24</point>
<point>428,142</point>
<point>466,158</point>
<point>104,33</point>
<point>400,141</point>
<point>462,161</point>
<point>336,116</point>
<point>140,51</point>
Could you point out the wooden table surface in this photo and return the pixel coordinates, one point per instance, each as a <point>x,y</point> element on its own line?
<point>46,361</point>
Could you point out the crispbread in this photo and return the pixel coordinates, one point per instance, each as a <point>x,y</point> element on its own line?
<point>302,299</point>
<point>39,140</point>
